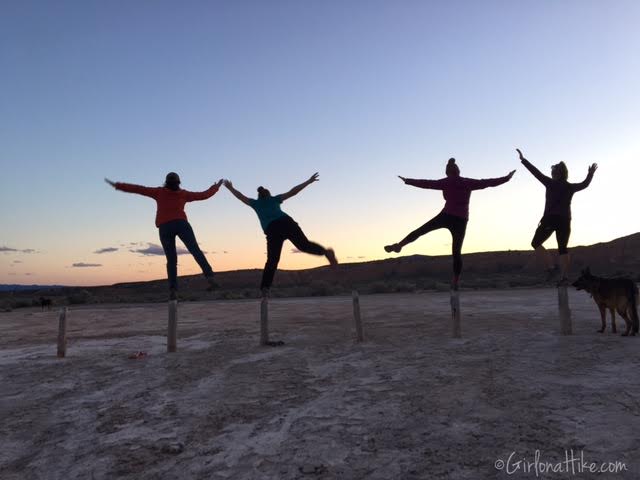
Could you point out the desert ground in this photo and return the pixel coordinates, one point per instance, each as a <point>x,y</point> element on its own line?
<point>409,403</point>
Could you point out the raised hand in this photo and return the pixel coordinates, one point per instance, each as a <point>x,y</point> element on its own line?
<point>520,154</point>
<point>228,184</point>
<point>510,174</point>
<point>313,178</point>
<point>402,178</point>
<point>218,183</point>
<point>593,168</point>
<point>113,184</point>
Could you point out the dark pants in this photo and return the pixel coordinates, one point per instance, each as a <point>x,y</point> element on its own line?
<point>549,224</point>
<point>278,231</point>
<point>456,225</point>
<point>168,233</point>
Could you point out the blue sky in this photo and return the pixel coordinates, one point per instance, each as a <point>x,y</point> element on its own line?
<point>266,93</point>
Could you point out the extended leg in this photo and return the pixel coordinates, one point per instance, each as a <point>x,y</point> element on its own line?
<point>187,236</point>
<point>434,224</point>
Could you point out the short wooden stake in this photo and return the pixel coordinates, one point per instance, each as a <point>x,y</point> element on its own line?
<point>565,311</point>
<point>264,321</point>
<point>62,333</point>
<point>172,333</point>
<point>455,314</point>
<point>356,316</point>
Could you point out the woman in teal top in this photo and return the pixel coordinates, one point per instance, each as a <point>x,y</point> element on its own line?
<point>278,227</point>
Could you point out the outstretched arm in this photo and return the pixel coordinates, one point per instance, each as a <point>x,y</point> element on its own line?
<point>131,188</point>
<point>210,192</point>
<point>236,193</point>
<point>585,183</point>
<point>432,184</point>
<point>534,171</point>
<point>479,184</point>
<point>298,188</point>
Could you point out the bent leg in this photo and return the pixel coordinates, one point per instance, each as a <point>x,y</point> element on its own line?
<point>302,243</point>
<point>185,232</point>
<point>543,232</point>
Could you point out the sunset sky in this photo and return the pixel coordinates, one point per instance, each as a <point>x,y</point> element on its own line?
<point>269,92</point>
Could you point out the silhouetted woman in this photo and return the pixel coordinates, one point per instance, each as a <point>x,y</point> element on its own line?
<point>557,213</point>
<point>455,214</point>
<point>172,222</point>
<point>278,227</point>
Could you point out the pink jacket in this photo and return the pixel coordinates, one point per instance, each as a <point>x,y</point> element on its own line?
<point>457,191</point>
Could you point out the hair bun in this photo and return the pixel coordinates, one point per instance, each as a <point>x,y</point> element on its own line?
<point>452,161</point>
<point>260,189</point>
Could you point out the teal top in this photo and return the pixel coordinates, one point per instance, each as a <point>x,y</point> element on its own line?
<point>268,210</point>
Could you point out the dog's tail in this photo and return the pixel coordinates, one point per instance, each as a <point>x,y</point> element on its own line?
<point>633,294</point>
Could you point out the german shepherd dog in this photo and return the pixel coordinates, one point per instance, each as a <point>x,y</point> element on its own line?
<point>615,294</point>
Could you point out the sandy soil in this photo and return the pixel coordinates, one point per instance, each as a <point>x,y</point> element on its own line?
<point>409,403</point>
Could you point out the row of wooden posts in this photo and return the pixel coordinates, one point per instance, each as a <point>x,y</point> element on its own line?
<point>172,333</point>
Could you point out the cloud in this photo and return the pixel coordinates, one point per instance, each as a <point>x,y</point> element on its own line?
<point>295,250</point>
<point>153,249</point>
<point>28,273</point>
<point>84,265</point>
<point>6,249</point>
<point>106,250</point>
<point>17,261</point>
<point>362,257</point>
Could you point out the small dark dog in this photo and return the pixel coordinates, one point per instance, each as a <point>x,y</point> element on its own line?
<point>45,302</point>
<point>615,294</point>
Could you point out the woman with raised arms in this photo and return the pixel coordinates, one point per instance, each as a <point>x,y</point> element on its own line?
<point>171,221</point>
<point>278,227</point>
<point>455,214</point>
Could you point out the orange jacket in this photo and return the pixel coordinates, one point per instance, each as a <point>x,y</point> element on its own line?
<point>170,203</point>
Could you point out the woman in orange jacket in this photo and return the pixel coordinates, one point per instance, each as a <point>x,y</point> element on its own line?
<point>171,221</point>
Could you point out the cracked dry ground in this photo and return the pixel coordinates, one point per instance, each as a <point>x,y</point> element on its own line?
<point>409,403</point>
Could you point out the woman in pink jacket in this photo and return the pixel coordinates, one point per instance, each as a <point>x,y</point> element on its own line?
<point>455,214</point>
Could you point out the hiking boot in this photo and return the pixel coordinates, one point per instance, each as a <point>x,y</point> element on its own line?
<point>331,256</point>
<point>393,248</point>
<point>264,292</point>
<point>213,285</point>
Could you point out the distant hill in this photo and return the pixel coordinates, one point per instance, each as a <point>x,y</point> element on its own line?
<point>22,288</point>
<point>507,269</point>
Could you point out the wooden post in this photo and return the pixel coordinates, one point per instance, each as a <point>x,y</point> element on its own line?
<point>565,311</point>
<point>62,333</point>
<point>356,317</point>
<point>455,314</point>
<point>264,321</point>
<point>172,333</point>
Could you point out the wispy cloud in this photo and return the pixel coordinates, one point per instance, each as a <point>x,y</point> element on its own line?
<point>17,261</point>
<point>106,250</point>
<point>6,249</point>
<point>85,265</point>
<point>153,249</point>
